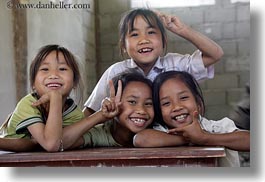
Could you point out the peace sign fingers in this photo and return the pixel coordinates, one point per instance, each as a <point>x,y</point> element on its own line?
<point>110,106</point>
<point>116,98</point>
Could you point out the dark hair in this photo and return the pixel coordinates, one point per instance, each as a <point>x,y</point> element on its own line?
<point>129,76</point>
<point>68,56</point>
<point>126,25</point>
<point>187,79</point>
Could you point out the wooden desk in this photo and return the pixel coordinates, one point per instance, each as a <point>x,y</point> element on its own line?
<point>98,157</point>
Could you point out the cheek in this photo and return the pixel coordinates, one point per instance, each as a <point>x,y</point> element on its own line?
<point>165,113</point>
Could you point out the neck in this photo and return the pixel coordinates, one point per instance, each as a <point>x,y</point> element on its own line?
<point>146,67</point>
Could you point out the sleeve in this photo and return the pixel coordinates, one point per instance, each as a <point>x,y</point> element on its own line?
<point>159,127</point>
<point>75,116</point>
<point>99,92</point>
<point>99,136</point>
<point>192,64</point>
<point>241,113</point>
<point>24,116</point>
<point>224,125</point>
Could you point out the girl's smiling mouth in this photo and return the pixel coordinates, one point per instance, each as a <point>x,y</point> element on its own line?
<point>180,118</point>
<point>145,50</point>
<point>54,85</point>
<point>138,121</point>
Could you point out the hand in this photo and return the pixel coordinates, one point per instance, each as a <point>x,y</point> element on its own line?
<point>192,132</point>
<point>172,23</point>
<point>110,107</point>
<point>46,98</point>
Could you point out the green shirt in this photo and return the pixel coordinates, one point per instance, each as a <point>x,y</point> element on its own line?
<point>100,136</point>
<point>25,115</point>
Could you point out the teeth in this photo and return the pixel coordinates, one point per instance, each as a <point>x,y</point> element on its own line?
<point>54,85</point>
<point>145,50</point>
<point>138,120</point>
<point>180,117</point>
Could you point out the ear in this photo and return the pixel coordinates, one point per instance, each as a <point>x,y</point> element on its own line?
<point>124,50</point>
<point>199,109</point>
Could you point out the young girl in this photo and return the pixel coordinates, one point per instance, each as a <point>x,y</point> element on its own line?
<point>143,38</point>
<point>42,114</point>
<point>129,112</point>
<point>179,106</point>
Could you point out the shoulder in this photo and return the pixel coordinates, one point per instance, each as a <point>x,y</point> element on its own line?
<point>27,100</point>
<point>25,105</point>
<point>175,61</point>
<point>177,56</point>
<point>119,67</point>
<point>73,113</point>
<point>100,136</point>
<point>224,125</point>
<point>116,69</point>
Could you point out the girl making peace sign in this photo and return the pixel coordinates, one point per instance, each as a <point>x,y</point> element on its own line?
<point>129,111</point>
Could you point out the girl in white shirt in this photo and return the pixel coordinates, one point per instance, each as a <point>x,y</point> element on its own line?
<point>179,108</point>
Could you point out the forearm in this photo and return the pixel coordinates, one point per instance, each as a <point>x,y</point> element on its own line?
<point>239,140</point>
<point>154,138</point>
<point>211,51</point>
<point>53,128</point>
<point>72,134</point>
<point>18,144</point>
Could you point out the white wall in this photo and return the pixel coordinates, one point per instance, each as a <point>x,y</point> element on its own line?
<point>7,69</point>
<point>63,27</point>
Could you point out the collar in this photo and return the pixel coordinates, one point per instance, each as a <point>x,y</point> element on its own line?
<point>158,64</point>
<point>70,106</point>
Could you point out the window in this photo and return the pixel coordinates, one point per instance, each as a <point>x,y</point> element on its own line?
<point>169,3</point>
<point>240,1</point>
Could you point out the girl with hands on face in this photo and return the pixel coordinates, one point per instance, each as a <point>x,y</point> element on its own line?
<point>179,106</point>
<point>41,115</point>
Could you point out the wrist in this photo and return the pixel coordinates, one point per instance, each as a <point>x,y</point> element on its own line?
<point>99,117</point>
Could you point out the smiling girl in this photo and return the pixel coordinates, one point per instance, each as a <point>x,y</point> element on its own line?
<point>130,110</point>
<point>179,106</point>
<point>42,114</point>
<point>143,41</point>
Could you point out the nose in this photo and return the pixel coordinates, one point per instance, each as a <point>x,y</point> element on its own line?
<point>144,40</point>
<point>177,107</point>
<point>53,75</point>
<point>140,110</point>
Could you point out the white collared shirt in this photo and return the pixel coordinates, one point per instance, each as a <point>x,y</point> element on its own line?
<point>224,125</point>
<point>192,64</point>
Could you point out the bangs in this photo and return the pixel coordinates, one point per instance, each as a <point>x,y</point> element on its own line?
<point>148,18</point>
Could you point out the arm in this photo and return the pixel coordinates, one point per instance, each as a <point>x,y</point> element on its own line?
<point>72,135</point>
<point>155,138</point>
<point>88,111</point>
<point>18,144</point>
<point>211,51</point>
<point>237,140</point>
<point>49,135</point>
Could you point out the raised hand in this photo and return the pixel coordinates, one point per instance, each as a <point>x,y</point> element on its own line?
<point>192,132</point>
<point>111,106</point>
<point>172,23</point>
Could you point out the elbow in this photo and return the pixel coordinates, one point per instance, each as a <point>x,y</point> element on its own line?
<point>139,141</point>
<point>52,146</point>
<point>219,54</point>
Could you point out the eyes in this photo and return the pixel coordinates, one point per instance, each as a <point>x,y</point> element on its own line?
<point>168,102</point>
<point>46,68</point>
<point>136,33</point>
<point>147,103</point>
